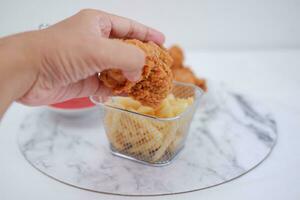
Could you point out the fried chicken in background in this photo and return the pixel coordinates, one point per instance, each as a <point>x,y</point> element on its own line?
<point>156,79</point>
<point>177,55</point>
<point>183,73</point>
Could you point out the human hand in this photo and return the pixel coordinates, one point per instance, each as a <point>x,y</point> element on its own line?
<point>68,55</point>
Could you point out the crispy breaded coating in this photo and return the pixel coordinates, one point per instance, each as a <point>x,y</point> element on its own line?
<point>156,80</point>
<point>113,78</point>
<point>201,83</point>
<point>177,55</point>
<point>186,75</point>
<point>183,73</point>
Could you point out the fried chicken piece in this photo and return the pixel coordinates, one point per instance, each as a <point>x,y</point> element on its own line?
<point>113,78</point>
<point>183,73</point>
<point>156,80</point>
<point>177,55</point>
<point>186,75</point>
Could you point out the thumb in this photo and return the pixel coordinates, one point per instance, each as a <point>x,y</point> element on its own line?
<point>116,54</point>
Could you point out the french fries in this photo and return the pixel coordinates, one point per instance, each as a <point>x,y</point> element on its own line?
<point>145,138</point>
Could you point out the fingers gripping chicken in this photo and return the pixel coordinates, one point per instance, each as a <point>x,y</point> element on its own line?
<point>156,80</point>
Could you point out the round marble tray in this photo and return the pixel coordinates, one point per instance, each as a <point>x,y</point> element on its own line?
<point>230,135</point>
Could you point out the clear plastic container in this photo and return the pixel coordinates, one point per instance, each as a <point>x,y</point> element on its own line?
<point>147,139</point>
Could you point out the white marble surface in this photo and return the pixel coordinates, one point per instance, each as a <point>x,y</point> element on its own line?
<point>272,77</point>
<point>230,135</point>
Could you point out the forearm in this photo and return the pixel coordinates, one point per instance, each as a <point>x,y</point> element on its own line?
<point>17,70</point>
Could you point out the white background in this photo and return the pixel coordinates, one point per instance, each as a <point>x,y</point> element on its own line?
<point>252,45</point>
<point>195,24</point>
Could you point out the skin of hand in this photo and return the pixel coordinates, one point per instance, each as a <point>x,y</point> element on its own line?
<point>62,61</point>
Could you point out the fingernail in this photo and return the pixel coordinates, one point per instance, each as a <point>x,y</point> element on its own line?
<point>157,37</point>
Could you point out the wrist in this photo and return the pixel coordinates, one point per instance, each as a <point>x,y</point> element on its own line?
<point>18,64</point>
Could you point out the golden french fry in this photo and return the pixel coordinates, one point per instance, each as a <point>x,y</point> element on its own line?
<point>145,138</point>
<point>128,103</point>
<point>145,110</point>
